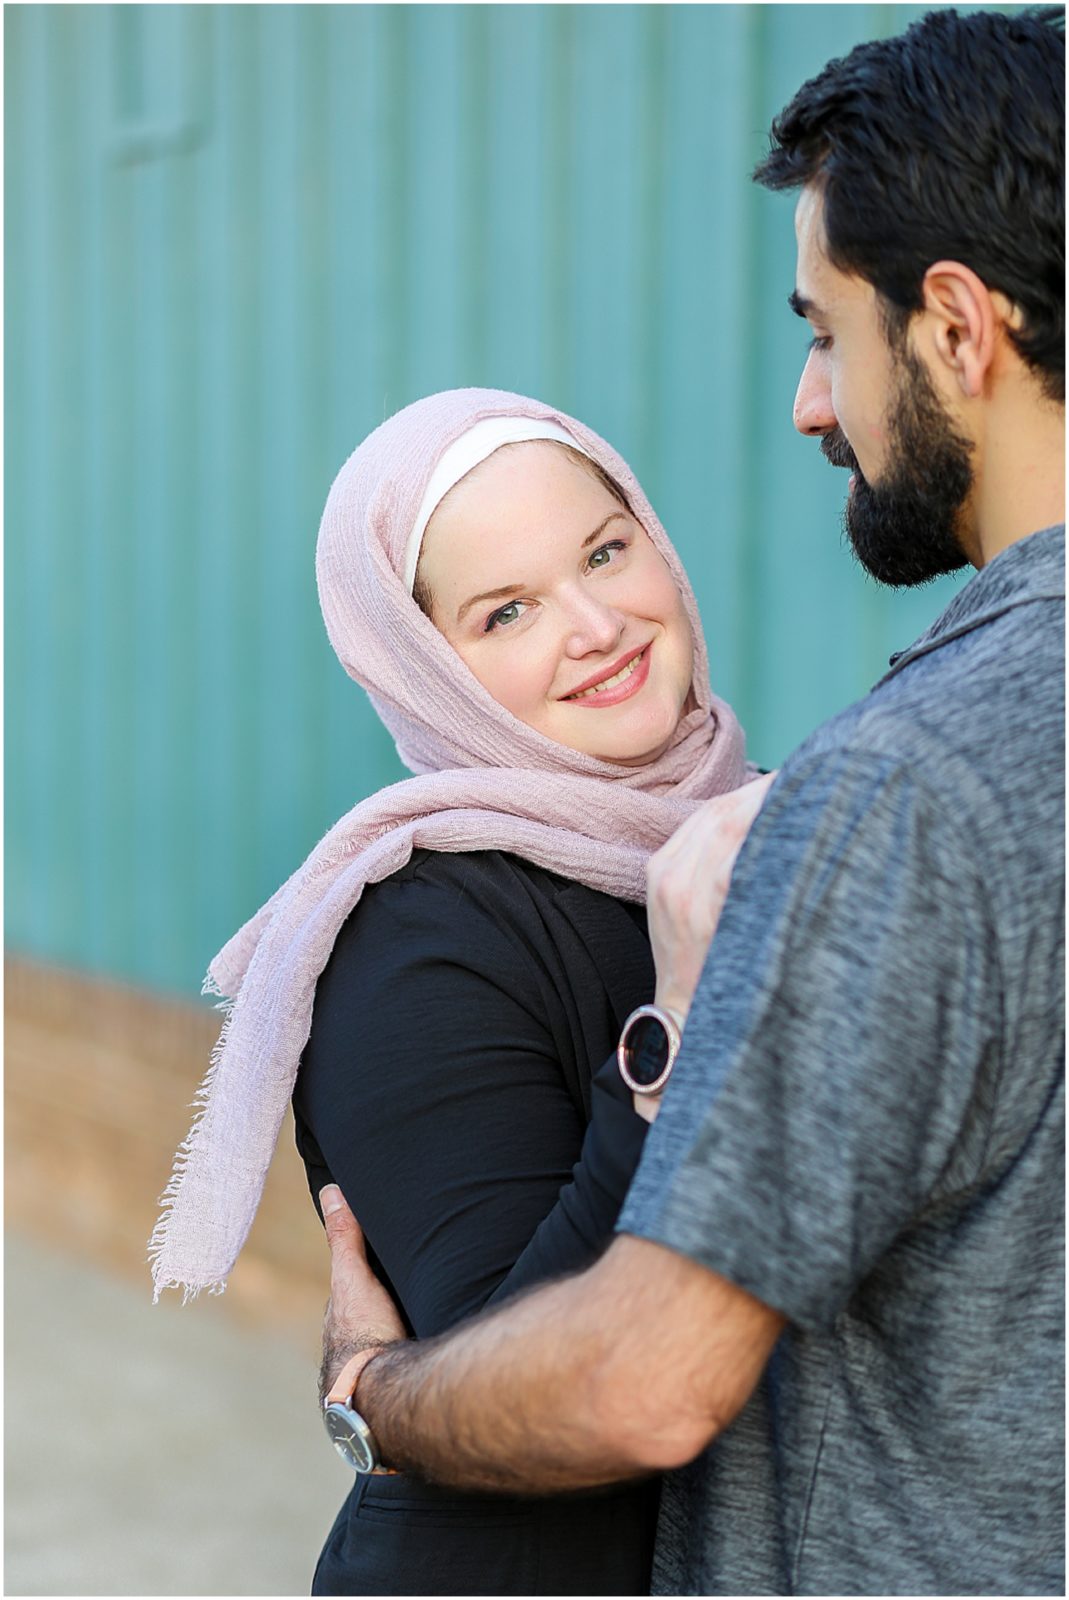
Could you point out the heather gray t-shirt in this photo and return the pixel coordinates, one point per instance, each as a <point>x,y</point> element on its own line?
<point>866,1130</point>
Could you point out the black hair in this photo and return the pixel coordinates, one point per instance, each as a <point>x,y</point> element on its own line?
<point>944,142</point>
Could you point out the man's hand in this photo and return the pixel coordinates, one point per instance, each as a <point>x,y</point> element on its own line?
<point>360,1314</point>
<point>688,881</point>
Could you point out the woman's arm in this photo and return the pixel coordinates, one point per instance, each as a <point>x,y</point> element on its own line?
<point>432,1093</point>
<point>581,1223</point>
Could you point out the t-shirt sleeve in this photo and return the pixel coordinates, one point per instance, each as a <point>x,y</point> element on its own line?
<point>831,1082</point>
<point>432,1092</point>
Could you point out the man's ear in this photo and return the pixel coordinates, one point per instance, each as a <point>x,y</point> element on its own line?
<point>966,318</point>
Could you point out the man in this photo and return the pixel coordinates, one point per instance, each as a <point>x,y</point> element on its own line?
<point>835,1297</point>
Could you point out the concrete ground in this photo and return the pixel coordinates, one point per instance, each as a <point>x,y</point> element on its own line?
<point>154,1450</point>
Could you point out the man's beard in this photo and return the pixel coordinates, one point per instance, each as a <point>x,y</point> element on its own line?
<point>903,530</point>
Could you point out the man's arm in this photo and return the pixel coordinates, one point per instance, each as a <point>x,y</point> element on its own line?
<point>630,1367</point>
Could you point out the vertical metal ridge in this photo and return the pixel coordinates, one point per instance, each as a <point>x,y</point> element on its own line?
<point>118,316</point>
<point>97,844</point>
<point>24,48</point>
<point>276,569</point>
<point>753,642</point>
<point>395,287</point>
<point>216,650</point>
<point>247,501</point>
<point>561,168</point>
<point>312,421</point>
<point>59,608</point>
<point>653,302</point>
<point>475,138</point>
<point>180,468</point>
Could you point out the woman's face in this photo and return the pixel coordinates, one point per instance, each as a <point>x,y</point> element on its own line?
<point>556,599</point>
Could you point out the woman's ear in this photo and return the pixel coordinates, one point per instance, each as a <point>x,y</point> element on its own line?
<point>965,323</point>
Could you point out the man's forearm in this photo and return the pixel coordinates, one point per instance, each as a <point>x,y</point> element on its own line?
<point>514,1401</point>
<point>630,1367</point>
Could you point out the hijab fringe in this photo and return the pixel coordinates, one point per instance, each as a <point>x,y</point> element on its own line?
<point>199,1104</point>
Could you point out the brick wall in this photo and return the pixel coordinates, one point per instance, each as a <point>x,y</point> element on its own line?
<point>100,1080</point>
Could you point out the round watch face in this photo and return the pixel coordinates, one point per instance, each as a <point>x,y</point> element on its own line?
<point>647,1049</point>
<point>349,1436</point>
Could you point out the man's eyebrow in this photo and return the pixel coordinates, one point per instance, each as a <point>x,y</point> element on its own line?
<point>802,306</point>
<point>516,588</point>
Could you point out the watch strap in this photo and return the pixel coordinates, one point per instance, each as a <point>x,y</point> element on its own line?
<point>343,1388</point>
<point>343,1391</point>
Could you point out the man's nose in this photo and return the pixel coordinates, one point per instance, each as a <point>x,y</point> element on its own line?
<point>814,414</point>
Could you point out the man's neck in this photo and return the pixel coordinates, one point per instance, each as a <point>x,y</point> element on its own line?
<point>1020,485</point>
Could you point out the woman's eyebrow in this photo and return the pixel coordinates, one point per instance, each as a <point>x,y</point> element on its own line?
<point>515,588</point>
<point>600,529</point>
<point>489,594</point>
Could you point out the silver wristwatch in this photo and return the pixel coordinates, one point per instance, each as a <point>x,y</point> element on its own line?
<point>352,1438</point>
<point>346,1428</point>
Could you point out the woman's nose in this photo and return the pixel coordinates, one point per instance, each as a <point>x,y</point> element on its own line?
<point>814,414</point>
<point>591,624</point>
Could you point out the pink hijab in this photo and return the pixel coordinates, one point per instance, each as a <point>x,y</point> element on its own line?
<point>485,781</point>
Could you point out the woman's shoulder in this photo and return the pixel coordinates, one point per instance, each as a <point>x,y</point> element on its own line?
<point>473,872</point>
<point>473,886</point>
<point>484,911</point>
<point>468,883</point>
<point>482,876</point>
<point>483,939</point>
<point>450,906</point>
<point>445,938</point>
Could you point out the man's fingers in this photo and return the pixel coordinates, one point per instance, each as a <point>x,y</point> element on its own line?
<point>335,1208</point>
<point>344,1234</point>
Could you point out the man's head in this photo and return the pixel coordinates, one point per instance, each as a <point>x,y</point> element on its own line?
<point>930,266</point>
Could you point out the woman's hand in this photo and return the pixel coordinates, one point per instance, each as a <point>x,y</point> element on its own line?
<point>646,1105</point>
<point>359,1314</point>
<point>688,881</point>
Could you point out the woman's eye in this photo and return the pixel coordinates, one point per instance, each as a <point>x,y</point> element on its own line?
<point>819,341</point>
<point>503,615</point>
<point>602,556</point>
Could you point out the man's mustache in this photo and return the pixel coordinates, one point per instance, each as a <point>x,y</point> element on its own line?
<point>834,448</point>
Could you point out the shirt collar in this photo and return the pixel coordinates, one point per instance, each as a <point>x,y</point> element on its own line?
<point>1030,569</point>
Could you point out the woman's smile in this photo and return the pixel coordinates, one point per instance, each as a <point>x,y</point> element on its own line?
<point>616,683</point>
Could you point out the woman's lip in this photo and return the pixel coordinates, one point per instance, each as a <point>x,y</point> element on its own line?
<point>619,691</point>
<point>607,672</point>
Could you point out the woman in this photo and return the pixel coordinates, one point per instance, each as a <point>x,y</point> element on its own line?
<point>472,939</point>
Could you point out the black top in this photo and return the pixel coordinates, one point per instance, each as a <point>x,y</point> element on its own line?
<point>460,1085</point>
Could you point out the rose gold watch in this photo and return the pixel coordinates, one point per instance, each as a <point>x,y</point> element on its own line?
<point>649,1045</point>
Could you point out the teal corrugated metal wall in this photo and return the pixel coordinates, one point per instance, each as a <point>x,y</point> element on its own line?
<point>237,238</point>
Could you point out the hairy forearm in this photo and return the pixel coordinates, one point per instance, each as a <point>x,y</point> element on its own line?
<point>504,1404</point>
<point>630,1367</point>
<point>529,1399</point>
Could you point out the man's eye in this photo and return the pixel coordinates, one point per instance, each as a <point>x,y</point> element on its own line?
<point>503,615</point>
<point>602,556</point>
<point>819,341</point>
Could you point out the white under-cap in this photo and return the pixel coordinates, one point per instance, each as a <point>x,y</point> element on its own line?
<point>480,441</point>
